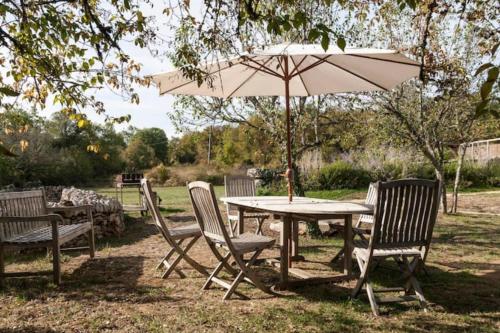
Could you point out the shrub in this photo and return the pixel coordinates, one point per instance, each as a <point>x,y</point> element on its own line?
<point>159,174</point>
<point>341,174</point>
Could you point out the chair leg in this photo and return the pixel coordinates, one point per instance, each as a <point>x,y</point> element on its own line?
<point>260,223</point>
<point>372,299</point>
<point>56,261</point>
<point>250,275</point>
<point>168,255</point>
<point>363,266</point>
<point>337,256</point>
<point>91,240</point>
<point>415,284</point>
<point>216,271</point>
<point>180,255</point>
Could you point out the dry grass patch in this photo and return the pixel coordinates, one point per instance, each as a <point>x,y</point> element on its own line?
<point>120,291</point>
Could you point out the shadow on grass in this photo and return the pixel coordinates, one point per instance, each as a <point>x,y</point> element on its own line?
<point>111,279</point>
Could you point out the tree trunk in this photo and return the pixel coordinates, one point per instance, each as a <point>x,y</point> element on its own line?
<point>440,176</point>
<point>460,159</point>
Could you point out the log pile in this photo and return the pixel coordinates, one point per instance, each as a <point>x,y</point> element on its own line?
<point>107,212</point>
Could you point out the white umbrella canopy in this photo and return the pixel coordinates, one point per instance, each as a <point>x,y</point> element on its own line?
<point>294,70</point>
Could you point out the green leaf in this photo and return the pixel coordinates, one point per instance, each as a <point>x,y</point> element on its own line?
<point>313,35</point>
<point>482,68</point>
<point>8,91</point>
<point>486,89</point>
<point>325,41</point>
<point>341,43</point>
<point>481,108</point>
<point>4,151</point>
<point>493,74</point>
<point>412,4</point>
<point>494,49</point>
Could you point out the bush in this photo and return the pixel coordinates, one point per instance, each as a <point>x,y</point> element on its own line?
<point>341,174</point>
<point>159,174</point>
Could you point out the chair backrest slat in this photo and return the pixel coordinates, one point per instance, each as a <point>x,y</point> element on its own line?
<point>371,198</point>
<point>405,213</point>
<point>154,209</point>
<point>207,211</point>
<point>238,186</point>
<point>27,203</point>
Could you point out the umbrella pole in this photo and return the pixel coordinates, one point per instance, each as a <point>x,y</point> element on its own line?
<point>289,171</point>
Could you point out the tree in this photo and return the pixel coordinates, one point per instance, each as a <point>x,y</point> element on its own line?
<point>139,156</point>
<point>442,111</point>
<point>156,139</point>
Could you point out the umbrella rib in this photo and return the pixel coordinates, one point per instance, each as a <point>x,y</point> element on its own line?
<point>386,60</point>
<point>297,66</point>
<point>249,77</point>
<point>317,63</point>
<point>267,69</point>
<point>300,76</point>
<point>357,75</point>
<point>191,81</point>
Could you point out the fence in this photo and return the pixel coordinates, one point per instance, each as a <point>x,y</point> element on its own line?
<point>483,151</point>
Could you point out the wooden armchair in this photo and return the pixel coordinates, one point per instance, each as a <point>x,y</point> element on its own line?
<point>403,221</point>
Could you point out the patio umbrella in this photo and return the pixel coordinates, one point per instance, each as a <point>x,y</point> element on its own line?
<point>294,70</point>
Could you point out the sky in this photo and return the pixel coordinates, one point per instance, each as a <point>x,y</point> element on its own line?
<point>153,109</point>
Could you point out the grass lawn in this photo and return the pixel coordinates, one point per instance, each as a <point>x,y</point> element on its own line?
<point>120,291</point>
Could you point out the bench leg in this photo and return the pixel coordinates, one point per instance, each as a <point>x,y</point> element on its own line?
<point>90,236</point>
<point>2,268</point>
<point>56,262</point>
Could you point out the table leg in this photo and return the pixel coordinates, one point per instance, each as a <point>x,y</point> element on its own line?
<point>241,221</point>
<point>348,246</point>
<point>285,258</point>
<point>295,238</point>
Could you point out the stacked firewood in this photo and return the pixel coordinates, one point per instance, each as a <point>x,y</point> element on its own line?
<point>107,212</point>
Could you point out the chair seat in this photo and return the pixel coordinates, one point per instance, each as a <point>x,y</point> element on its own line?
<point>361,249</point>
<point>44,234</point>
<point>187,231</point>
<point>249,242</point>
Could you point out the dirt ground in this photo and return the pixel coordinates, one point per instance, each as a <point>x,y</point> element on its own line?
<point>120,290</point>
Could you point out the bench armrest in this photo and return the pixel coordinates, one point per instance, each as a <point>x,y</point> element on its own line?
<point>49,218</point>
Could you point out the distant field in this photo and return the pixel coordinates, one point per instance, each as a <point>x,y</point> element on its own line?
<point>176,197</point>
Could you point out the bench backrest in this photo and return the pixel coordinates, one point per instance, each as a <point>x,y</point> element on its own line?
<point>28,203</point>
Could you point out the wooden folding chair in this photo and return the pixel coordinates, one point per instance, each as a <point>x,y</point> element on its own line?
<point>404,218</point>
<point>174,237</point>
<point>209,218</point>
<point>242,186</point>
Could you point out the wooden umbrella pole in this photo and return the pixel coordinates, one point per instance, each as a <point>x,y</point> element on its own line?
<point>289,171</point>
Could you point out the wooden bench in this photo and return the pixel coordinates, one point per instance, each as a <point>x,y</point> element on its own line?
<point>27,222</point>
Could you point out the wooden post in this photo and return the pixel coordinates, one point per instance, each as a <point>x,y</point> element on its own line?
<point>348,247</point>
<point>284,258</point>
<point>56,254</point>
<point>289,171</point>
<point>241,220</point>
